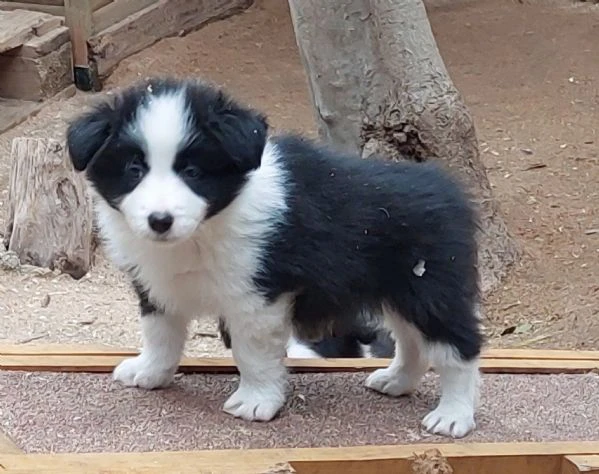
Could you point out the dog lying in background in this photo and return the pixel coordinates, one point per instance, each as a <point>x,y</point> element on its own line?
<point>209,213</point>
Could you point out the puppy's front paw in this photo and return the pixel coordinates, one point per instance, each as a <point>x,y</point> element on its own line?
<point>255,405</point>
<point>454,421</point>
<point>138,372</point>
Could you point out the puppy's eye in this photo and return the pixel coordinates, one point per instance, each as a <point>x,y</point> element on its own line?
<point>191,172</point>
<point>137,167</point>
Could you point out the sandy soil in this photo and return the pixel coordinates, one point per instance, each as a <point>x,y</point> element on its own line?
<point>528,71</point>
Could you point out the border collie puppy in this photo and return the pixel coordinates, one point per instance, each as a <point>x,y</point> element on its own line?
<point>211,215</point>
<point>363,342</point>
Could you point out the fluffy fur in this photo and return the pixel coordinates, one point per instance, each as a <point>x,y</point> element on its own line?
<point>280,237</point>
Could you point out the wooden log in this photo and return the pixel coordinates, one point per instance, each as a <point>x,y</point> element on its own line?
<point>49,209</point>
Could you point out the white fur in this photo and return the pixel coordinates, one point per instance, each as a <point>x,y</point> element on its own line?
<point>454,416</point>
<point>298,350</point>
<point>163,127</point>
<point>163,341</point>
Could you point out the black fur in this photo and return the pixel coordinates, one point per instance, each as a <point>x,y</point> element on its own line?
<point>378,340</point>
<point>354,232</point>
<point>145,305</point>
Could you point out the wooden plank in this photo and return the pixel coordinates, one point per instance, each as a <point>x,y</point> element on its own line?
<point>19,26</point>
<point>56,10</point>
<point>41,45</point>
<point>42,2</point>
<point>64,349</point>
<point>7,446</point>
<point>577,464</point>
<point>78,15</point>
<point>14,111</point>
<point>106,362</point>
<point>116,11</point>
<point>464,458</point>
<point>101,349</point>
<point>97,4</point>
<point>162,19</point>
<point>36,78</point>
<point>540,354</point>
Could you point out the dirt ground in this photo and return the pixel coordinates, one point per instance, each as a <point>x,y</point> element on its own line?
<point>530,75</point>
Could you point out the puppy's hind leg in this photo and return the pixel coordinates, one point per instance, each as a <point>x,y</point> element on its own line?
<point>454,416</point>
<point>409,364</point>
<point>259,341</point>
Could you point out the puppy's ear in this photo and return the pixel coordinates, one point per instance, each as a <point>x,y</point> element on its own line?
<point>86,135</point>
<point>242,133</point>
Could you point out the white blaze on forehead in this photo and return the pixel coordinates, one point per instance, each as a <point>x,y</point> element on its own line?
<point>163,124</point>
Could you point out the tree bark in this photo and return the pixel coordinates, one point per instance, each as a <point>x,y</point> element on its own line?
<point>379,85</point>
<point>50,212</point>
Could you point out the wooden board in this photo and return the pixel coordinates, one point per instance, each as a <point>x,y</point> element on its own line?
<point>115,11</point>
<point>100,359</point>
<point>102,349</point>
<point>41,2</point>
<point>56,10</point>
<point>14,111</point>
<point>36,78</point>
<point>7,446</point>
<point>464,458</point>
<point>161,19</point>
<point>39,46</point>
<point>19,26</point>
<point>581,464</point>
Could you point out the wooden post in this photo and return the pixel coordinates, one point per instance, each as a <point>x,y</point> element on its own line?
<point>49,209</point>
<point>78,16</point>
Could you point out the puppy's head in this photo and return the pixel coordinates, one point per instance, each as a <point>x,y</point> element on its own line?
<point>167,154</point>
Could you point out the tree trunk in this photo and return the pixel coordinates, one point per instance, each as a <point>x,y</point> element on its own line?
<point>50,212</point>
<point>379,85</point>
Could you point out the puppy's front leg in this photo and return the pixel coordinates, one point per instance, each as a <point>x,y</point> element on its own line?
<point>163,335</point>
<point>258,344</point>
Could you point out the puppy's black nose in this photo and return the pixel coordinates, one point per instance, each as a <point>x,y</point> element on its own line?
<point>160,222</point>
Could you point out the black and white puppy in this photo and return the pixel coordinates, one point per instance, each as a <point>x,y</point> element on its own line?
<point>211,215</point>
